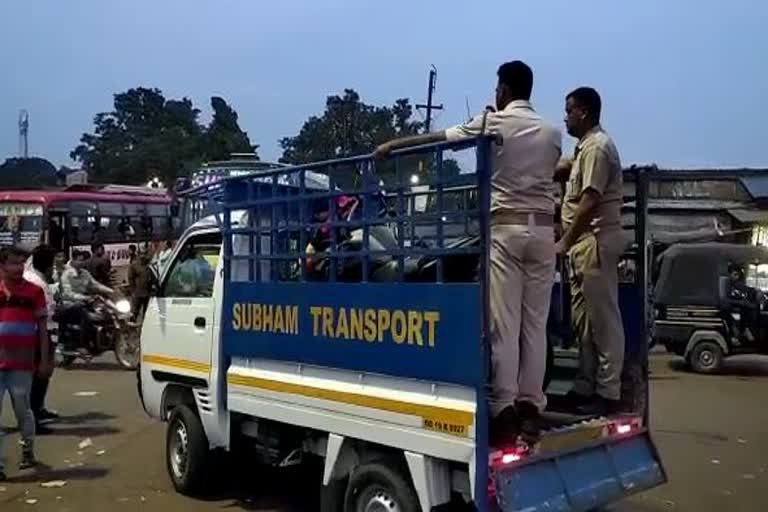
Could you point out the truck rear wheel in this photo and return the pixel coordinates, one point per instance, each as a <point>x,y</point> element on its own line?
<point>706,357</point>
<point>381,487</point>
<point>187,454</point>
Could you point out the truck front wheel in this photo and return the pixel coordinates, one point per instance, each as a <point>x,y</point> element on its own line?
<point>380,486</point>
<point>187,454</point>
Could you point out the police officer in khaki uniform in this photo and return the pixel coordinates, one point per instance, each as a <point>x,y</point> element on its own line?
<point>522,252</point>
<point>594,241</point>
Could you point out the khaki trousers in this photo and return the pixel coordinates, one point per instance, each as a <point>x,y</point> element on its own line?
<point>521,273</point>
<point>595,313</point>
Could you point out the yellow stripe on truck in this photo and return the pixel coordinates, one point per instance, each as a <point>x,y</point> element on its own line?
<point>184,364</point>
<point>454,422</point>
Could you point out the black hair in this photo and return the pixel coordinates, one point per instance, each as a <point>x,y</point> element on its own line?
<point>98,245</point>
<point>42,258</point>
<point>589,100</point>
<point>133,247</point>
<point>518,78</point>
<point>77,253</point>
<point>12,251</point>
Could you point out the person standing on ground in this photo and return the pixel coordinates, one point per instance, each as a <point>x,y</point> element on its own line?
<point>594,240</point>
<point>23,334</point>
<point>132,251</point>
<point>522,247</point>
<point>139,283</point>
<point>100,265</point>
<point>40,273</point>
<point>164,256</point>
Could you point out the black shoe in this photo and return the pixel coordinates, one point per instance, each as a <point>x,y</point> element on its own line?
<point>28,460</point>
<point>600,406</point>
<point>505,428</point>
<point>529,416</point>
<point>3,476</point>
<point>46,415</point>
<point>575,400</point>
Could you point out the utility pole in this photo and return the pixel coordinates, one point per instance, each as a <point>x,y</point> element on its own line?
<point>23,131</point>
<point>429,107</point>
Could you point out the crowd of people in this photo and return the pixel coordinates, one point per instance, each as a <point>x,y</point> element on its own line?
<point>37,291</point>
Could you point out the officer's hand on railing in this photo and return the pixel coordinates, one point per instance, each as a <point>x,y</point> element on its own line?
<point>382,151</point>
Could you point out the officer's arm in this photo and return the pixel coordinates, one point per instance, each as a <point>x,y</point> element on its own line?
<point>473,128</point>
<point>406,142</point>
<point>563,169</point>
<point>584,212</point>
<point>596,169</point>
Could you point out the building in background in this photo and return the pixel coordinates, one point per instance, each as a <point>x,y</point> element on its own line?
<point>707,204</point>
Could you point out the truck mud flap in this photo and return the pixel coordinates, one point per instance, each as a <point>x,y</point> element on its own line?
<point>581,479</point>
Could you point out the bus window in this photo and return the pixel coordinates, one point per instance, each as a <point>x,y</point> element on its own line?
<point>134,223</point>
<point>82,223</point>
<point>158,214</point>
<point>20,223</point>
<point>111,222</point>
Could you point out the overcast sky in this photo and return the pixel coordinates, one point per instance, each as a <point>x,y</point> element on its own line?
<point>684,82</point>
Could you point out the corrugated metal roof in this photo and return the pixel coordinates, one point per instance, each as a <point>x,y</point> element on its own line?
<point>750,215</point>
<point>756,185</point>
<point>690,204</point>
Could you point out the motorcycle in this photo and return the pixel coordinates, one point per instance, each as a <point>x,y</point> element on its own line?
<point>109,327</point>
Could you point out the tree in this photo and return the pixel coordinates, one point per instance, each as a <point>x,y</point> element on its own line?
<point>27,173</point>
<point>350,127</point>
<point>224,135</point>
<point>147,135</point>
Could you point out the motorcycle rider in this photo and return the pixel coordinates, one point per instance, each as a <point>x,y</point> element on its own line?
<point>78,290</point>
<point>100,266</point>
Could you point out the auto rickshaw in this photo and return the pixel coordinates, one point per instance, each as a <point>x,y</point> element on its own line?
<point>708,303</point>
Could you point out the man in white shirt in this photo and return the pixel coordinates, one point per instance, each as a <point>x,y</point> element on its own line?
<point>39,271</point>
<point>522,247</point>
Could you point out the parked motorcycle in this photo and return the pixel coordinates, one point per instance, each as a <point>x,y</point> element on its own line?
<point>109,327</point>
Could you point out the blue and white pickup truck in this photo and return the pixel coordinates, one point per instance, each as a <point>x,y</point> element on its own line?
<point>304,321</point>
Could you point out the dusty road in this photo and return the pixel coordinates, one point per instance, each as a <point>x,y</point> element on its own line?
<point>712,433</point>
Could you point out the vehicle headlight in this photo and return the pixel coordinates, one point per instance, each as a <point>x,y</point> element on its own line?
<point>123,306</point>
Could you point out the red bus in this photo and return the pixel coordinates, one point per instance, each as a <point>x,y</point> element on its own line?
<point>80,215</point>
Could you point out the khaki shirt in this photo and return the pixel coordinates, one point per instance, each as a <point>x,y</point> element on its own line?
<point>524,164</point>
<point>596,165</point>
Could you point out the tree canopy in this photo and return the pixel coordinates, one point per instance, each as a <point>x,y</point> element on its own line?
<point>350,127</point>
<point>31,172</point>
<point>147,135</point>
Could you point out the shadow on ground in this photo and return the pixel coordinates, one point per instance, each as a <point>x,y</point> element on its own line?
<point>98,366</point>
<point>267,489</point>
<point>738,366</point>
<point>47,474</point>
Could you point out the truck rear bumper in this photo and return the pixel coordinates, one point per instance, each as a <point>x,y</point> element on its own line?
<point>582,479</point>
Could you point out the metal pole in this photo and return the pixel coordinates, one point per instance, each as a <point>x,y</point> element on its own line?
<point>429,107</point>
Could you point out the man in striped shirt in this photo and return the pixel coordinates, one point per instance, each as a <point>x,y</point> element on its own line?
<point>23,330</point>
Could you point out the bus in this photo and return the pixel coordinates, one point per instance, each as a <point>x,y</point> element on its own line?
<point>78,216</point>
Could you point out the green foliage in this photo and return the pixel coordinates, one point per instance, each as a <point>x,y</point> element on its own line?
<point>27,173</point>
<point>147,135</point>
<point>350,127</point>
